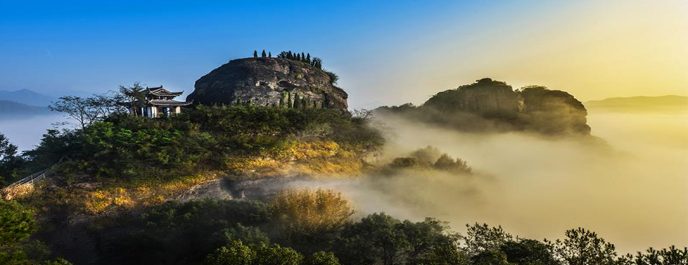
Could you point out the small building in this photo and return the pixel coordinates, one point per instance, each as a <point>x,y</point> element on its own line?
<point>160,102</point>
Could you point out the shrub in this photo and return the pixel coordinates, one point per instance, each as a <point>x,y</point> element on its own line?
<point>309,217</point>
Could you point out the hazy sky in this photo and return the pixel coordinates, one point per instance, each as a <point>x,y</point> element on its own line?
<point>385,52</point>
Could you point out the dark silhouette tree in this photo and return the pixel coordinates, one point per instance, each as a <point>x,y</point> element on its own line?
<point>263,54</point>
<point>308,58</point>
<point>297,101</point>
<point>269,54</point>
<point>255,54</point>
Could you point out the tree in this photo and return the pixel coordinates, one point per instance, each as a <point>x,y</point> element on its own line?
<point>303,57</point>
<point>269,54</point>
<point>321,258</point>
<point>317,62</point>
<point>9,161</point>
<point>376,239</point>
<point>307,217</point>
<point>255,54</point>
<point>16,225</point>
<point>134,96</point>
<point>333,77</point>
<point>490,257</point>
<point>583,247</point>
<point>263,54</point>
<point>290,104</point>
<point>276,255</point>
<point>235,253</point>
<point>297,102</point>
<point>83,110</point>
<point>308,58</point>
<point>528,251</point>
<point>481,237</point>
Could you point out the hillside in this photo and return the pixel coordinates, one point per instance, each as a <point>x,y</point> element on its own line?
<point>11,109</point>
<point>668,103</point>
<point>269,82</point>
<point>26,97</point>
<point>494,106</point>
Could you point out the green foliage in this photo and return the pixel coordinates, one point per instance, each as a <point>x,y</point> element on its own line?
<point>10,162</point>
<point>128,147</point>
<point>481,237</point>
<point>333,77</point>
<point>381,239</point>
<point>255,54</point>
<point>183,233</point>
<point>297,102</point>
<point>263,54</point>
<point>528,252</point>
<point>277,255</point>
<point>321,258</point>
<point>310,218</point>
<point>235,253</point>
<point>248,234</point>
<point>581,247</point>
<point>16,224</point>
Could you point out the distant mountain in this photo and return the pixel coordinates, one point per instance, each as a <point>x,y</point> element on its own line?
<point>26,97</point>
<point>641,103</point>
<point>11,110</point>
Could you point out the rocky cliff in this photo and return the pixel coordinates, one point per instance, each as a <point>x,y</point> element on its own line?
<point>489,105</point>
<point>267,82</point>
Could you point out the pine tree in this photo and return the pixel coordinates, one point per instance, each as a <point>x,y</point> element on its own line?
<point>255,54</point>
<point>269,54</point>
<point>303,57</point>
<point>298,57</point>
<point>297,101</point>
<point>326,103</point>
<point>308,58</point>
<point>263,54</point>
<point>289,102</point>
<point>290,56</point>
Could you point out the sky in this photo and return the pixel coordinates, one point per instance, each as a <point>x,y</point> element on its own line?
<point>385,52</point>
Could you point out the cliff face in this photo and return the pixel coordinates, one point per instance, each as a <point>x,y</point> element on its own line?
<point>266,82</point>
<point>554,111</point>
<point>485,98</point>
<point>490,105</point>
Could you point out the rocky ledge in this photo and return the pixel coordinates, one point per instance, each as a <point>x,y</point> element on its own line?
<point>268,82</point>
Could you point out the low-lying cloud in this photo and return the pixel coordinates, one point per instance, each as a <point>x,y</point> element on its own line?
<point>630,185</point>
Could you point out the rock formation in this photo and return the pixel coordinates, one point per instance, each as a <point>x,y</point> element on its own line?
<point>267,82</point>
<point>490,105</point>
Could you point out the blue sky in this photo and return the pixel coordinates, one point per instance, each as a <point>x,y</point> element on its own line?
<point>386,52</point>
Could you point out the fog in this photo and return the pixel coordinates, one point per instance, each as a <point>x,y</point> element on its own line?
<point>26,132</point>
<point>630,185</point>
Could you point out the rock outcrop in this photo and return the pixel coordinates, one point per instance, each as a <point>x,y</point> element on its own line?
<point>267,82</point>
<point>490,105</point>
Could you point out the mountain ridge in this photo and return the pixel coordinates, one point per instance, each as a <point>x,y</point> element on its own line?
<point>26,97</point>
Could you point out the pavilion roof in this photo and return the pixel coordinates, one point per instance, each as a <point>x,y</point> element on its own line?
<point>168,102</point>
<point>159,91</point>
